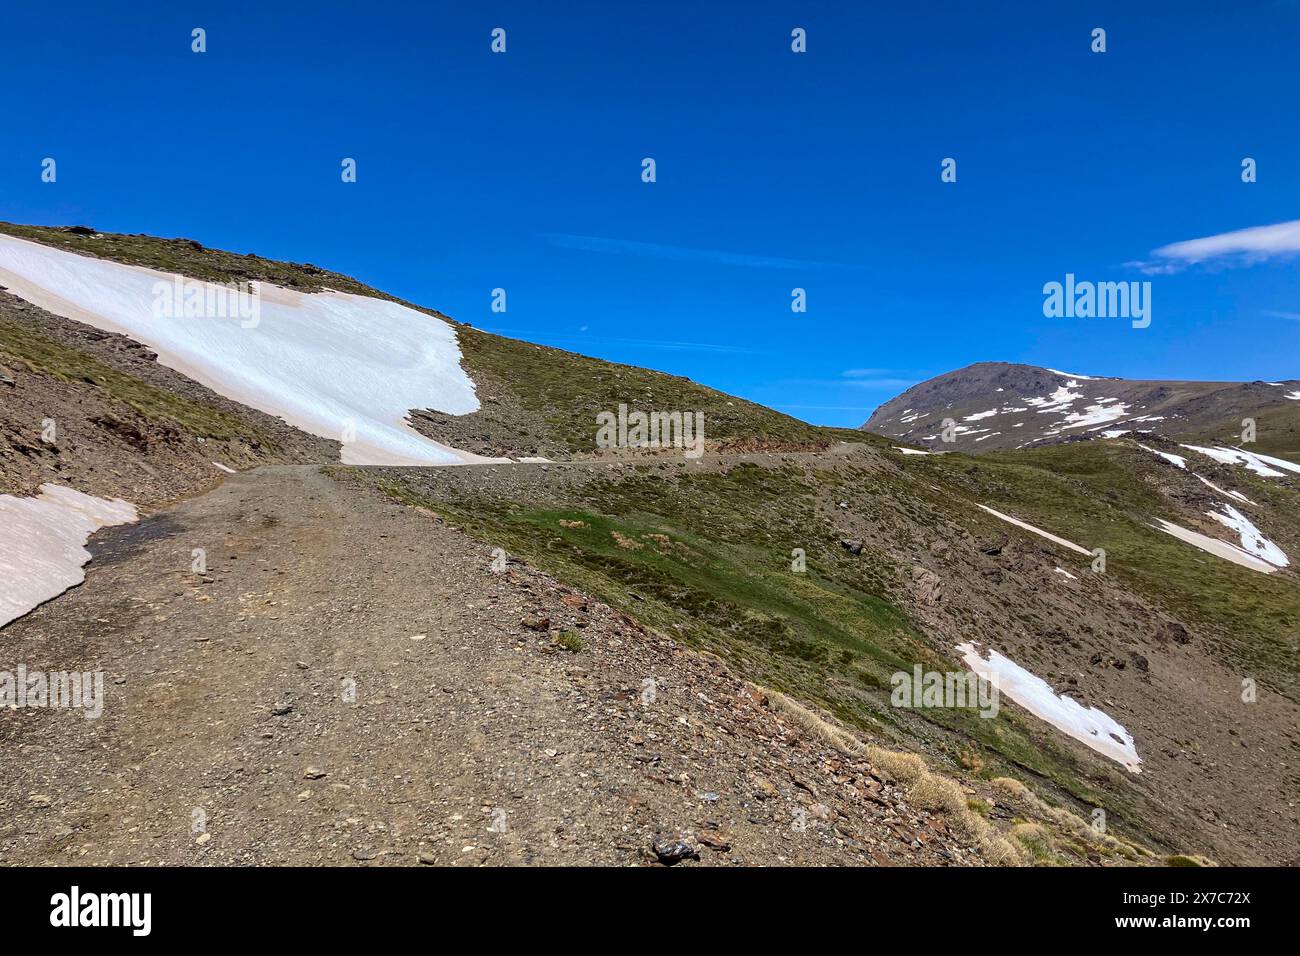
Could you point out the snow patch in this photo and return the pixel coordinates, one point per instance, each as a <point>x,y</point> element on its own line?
<point>1227,494</point>
<point>337,365</point>
<point>1095,415</point>
<point>42,543</point>
<point>1178,460</point>
<point>1259,464</point>
<point>1038,531</point>
<point>1220,549</point>
<point>1251,540</point>
<point>1088,725</point>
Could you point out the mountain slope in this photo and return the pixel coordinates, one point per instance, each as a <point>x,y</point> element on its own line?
<point>997,405</point>
<point>534,400</point>
<point>818,562</point>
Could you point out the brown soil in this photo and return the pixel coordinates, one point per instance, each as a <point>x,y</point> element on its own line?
<point>475,735</point>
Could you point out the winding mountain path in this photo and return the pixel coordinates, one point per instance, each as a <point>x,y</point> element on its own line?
<point>351,683</point>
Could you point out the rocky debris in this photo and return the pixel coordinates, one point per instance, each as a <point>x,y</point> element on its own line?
<point>994,546</point>
<point>410,747</point>
<point>851,545</point>
<point>927,587</point>
<point>1173,631</point>
<point>535,622</point>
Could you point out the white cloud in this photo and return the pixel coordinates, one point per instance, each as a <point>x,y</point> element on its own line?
<point>1237,248</point>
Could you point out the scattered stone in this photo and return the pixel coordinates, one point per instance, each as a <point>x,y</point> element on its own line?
<point>852,546</point>
<point>672,850</point>
<point>313,773</point>
<point>715,840</point>
<point>536,622</point>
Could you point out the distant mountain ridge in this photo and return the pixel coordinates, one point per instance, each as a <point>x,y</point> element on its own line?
<point>1001,405</point>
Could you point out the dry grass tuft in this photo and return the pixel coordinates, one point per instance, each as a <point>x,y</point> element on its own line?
<point>812,723</point>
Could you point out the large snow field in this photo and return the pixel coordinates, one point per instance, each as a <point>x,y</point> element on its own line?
<point>341,366</point>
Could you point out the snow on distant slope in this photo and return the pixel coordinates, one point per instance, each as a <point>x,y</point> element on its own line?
<point>1090,726</point>
<point>1263,465</point>
<point>1227,494</point>
<point>42,543</point>
<point>1251,539</point>
<point>1178,460</point>
<point>1038,531</point>
<point>1220,549</point>
<point>341,366</point>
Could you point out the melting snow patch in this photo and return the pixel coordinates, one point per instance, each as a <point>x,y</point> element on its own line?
<point>1227,494</point>
<point>1066,573</point>
<point>978,415</point>
<point>1251,539</point>
<point>1086,378</point>
<point>336,365</point>
<point>1178,460</point>
<point>1293,395</point>
<point>1259,464</point>
<point>1095,415</point>
<point>226,468</point>
<point>1220,549</point>
<point>1088,725</point>
<point>42,543</point>
<point>1038,531</point>
<point>913,451</point>
<point>1114,432</point>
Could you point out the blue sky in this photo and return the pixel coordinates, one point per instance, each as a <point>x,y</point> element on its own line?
<point>775,170</point>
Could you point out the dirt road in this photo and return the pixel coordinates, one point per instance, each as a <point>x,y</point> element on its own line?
<point>350,682</point>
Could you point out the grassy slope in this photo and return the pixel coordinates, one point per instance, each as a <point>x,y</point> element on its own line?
<point>1094,493</point>
<point>40,353</point>
<point>706,559</point>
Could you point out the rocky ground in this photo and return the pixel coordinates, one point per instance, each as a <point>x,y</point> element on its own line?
<point>350,682</point>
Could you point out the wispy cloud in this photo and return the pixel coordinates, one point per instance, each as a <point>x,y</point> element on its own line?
<point>1242,247</point>
<point>864,383</point>
<point>656,250</point>
<point>1293,316</point>
<point>878,378</point>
